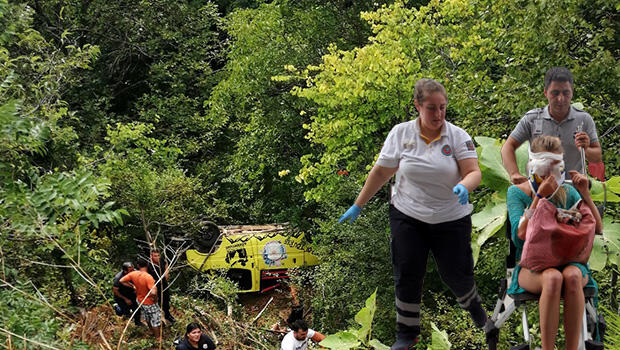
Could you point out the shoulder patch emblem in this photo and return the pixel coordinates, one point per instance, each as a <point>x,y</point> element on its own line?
<point>470,145</point>
<point>446,150</point>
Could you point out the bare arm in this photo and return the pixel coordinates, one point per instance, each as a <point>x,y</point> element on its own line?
<point>580,182</point>
<point>522,229</point>
<point>127,282</point>
<point>594,154</point>
<point>470,173</point>
<point>153,294</point>
<point>509,160</point>
<point>376,179</point>
<point>593,150</point>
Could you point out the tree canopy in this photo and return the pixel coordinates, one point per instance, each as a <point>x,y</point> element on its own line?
<point>128,123</point>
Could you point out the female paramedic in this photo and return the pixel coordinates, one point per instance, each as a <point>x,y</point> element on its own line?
<point>546,174</point>
<point>436,167</point>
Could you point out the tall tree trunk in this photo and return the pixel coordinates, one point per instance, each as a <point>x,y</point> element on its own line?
<point>67,276</point>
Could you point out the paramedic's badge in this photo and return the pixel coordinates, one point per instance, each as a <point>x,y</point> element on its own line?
<point>470,145</point>
<point>409,145</point>
<point>446,150</point>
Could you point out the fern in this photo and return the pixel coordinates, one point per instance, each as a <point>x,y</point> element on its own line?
<point>612,333</point>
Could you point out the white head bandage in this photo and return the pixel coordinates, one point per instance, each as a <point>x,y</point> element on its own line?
<point>543,164</point>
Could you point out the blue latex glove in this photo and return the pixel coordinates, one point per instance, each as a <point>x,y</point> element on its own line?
<point>461,191</point>
<point>350,214</point>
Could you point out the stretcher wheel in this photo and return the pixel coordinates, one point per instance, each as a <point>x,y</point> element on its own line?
<point>491,335</point>
<point>594,345</point>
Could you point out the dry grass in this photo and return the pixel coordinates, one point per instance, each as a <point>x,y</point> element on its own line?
<point>100,326</point>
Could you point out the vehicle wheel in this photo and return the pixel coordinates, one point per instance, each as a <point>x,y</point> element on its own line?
<point>205,237</point>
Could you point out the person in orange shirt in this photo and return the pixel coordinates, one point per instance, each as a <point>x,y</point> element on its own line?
<point>146,293</point>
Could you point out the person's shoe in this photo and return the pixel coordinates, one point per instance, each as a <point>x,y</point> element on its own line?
<point>478,315</point>
<point>404,342</point>
<point>118,310</point>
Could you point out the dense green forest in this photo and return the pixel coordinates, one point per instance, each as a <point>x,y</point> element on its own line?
<point>126,122</point>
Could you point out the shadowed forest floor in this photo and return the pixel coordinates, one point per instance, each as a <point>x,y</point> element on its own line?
<point>101,328</point>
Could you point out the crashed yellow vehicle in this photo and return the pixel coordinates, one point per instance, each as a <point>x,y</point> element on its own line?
<point>252,254</point>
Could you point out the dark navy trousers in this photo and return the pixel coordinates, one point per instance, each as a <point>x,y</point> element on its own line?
<point>449,243</point>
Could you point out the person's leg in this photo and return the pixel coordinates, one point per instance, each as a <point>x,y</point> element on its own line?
<point>451,248</point>
<point>152,316</point>
<point>409,255</point>
<point>166,305</point>
<point>157,332</point>
<point>123,309</point>
<point>137,317</point>
<point>574,301</point>
<point>549,285</point>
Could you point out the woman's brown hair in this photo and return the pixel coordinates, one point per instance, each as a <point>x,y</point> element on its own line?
<point>425,87</point>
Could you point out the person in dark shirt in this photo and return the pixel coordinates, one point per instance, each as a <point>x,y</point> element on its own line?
<point>125,297</point>
<point>158,268</point>
<point>194,339</point>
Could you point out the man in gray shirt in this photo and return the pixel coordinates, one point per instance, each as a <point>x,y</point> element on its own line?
<point>559,118</point>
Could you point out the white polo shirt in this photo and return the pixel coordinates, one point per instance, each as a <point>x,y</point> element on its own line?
<point>291,343</point>
<point>427,173</point>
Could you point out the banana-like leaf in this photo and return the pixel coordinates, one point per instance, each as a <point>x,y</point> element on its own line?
<point>484,141</point>
<point>598,257</point>
<point>364,318</point>
<point>493,173</point>
<point>377,345</point>
<point>439,339</point>
<point>487,221</point>
<point>612,185</point>
<point>340,341</point>
<point>611,231</point>
<point>606,248</point>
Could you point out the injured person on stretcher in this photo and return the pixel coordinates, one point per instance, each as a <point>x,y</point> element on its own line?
<point>530,215</point>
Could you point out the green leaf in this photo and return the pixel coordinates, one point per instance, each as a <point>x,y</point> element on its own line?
<point>606,247</point>
<point>613,184</point>
<point>377,345</point>
<point>484,141</point>
<point>598,191</point>
<point>493,173</point>
<point>487,221</point>
<point>340,341</point>
<point>611,231</point>
<point>364,318</point>
<point>439,339</point>
<point>598,257</point>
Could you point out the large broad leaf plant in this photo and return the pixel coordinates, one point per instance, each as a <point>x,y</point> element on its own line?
<point>361,338</point>
<point>492,218</point>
